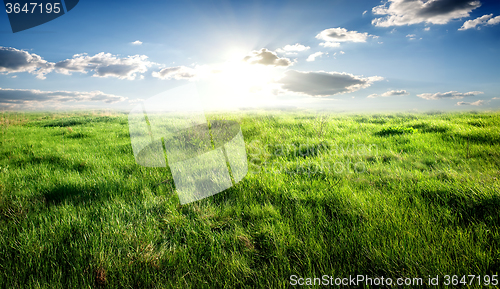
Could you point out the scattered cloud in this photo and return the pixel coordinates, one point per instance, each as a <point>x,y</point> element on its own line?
<point>137,42</point>
<point>479,102</point>
<point>334,36</point>
<point>105,65</point>
<point>496,98</point>
<point>178,72</point>
<point>266,57</point>
<point>411,35</point>
<point>32,98</point>
<point>389,93</point>
<point>136,100</point>
<point>480,21</point>
<point>408,12</point>
<point>293,49</point>
<point>449,95</point>
<point>427,28</point>
<point>313,56</point>
<point>322,84</point>
<point>494,21</point>
<point>330,44</point>
<point>364,12</point>
<point>13,60</point>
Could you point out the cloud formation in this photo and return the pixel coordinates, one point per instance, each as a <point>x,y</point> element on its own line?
<point>178,72</point>
<point>313,56</point>
<point>22,98</point>
<point>449,95</point>
<point>334,36</point>
<point>105,65</point>
<point>389,93</point>
<point>292,49</point>
<point>480,21</point>
<point>266,57</point>
<point>137,42</point>
<point>408,12</point>
<point>479,102</point>
<point>13,60</point>
<point>321,83</point>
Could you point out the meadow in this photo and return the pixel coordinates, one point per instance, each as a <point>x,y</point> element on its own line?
<point>398,195</point>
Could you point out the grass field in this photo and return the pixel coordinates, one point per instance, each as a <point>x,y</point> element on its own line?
<point>393,195</point>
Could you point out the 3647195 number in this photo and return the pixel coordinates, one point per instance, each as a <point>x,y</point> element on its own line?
<point>33,8</point>
<point>484,280</point>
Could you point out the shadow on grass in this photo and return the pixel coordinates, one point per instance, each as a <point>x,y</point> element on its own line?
<point>431,128</point>
<point>75,194</point>
<point>55,161</point>
<point>468,210</point>
<point>78,120</point>
<point>395,130</point>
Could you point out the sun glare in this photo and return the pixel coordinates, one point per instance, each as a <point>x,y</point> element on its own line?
<point>236,83</point>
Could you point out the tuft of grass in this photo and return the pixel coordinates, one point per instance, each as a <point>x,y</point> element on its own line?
<point>396,130</point>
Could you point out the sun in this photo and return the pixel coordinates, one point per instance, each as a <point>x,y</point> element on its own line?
<point>237,83</point>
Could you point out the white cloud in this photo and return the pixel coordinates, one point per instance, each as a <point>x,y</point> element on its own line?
<point>293,49</point>
<point>38,99</point>
<point>321,83</point>
<point>479,102</point>
<point>13,60</point>
<point>266,57</point>
<point>364,12</point>
<point>427,28</point>
<point>449,94</point>
<point>105,65</point>
<point>411,35</point>
<point>480,21</point>
<point>136,100</point>
<point>408,12</point>
<point>494,21</point>
<point>496,98</point>
<point>137,42</point>
<point>178,72</point>
<point>334,36</point>
<point>330,44</point>
<point>390,93</point>
<point>313,56</point>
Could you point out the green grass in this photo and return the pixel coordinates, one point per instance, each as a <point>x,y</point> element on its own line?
<point>393,195</point>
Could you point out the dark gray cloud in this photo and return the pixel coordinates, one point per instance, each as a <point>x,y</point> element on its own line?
<point>13,60</point>
<point>446,7</point>
<point>449,94</point>
<point>105,65</point>
<point>323,84</point>
<point>407,12</point>
<point>266,57</point>
<point>30,97</point>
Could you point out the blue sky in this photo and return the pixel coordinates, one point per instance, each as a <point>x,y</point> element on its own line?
<point>371,55</point>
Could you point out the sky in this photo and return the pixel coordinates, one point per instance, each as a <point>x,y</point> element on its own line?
<point>396,55</point>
